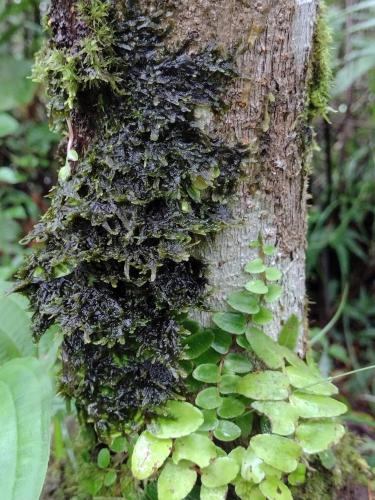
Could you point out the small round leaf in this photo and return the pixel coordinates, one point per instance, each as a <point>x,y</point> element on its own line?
<point>227,431</point>
<point>230,322</point>
<point>256,286</point>
<point>209,398</point>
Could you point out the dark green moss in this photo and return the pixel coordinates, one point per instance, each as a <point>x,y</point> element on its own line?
<point>113,262</point>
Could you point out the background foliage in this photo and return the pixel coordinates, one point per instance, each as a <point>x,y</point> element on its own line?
<point>341,253</point>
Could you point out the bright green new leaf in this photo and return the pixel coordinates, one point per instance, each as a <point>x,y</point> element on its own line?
<point>244,302</point>
<point>265,348</point>
<point>180,419</point>
<point>230,322</point>
<point>256,286</point>
<point>273,274</point>
<point>227,431</point>
<point>209,398</point>
<point>278,451</point>
<point>263,316</point>
<point>309,381</point>
<point>231,408</point>
<point>149,454</point>
<point>314,406</point>
<point>219,493</point>
<point>207,372</point>
<point>238,363</point>
<point>222,341</point>
<point>319,435</point>
<point>220,473</point>
<point>291,357</point>
<point>25,421</point>
<point>269,249</point>
<point>176,481</point>
<point>274,489</point>
<point>196,448</point>
<point>228,384</point>
<point>210,420</point>
<point>283,416</point>
<point>251,467</point>
<point>197,344</point>
<point>274,292</point>
<point>267,385</point>
<point>298,477</point>
<point>255,266</point>
<point>104,458</point>
<point>238,454</point>
<point>288,335</point>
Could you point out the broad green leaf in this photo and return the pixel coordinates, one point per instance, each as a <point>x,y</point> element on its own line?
<point>149,454</point>
<point>255,266</point>
<point>210,420</point>
<point>15,333</point>
<point>309,381</point>
<point>221,342</point>
<point>180,419</point>
<point>319,435</point>
<point>16,89</point>
<point>298,477</point>
<point>208,373</point>
<point>246,490</point>
<point>196,448</point>
<point>271,471</point>
<point>314,406</point>
<point>274,489</point>
<point>220,473</point>
<point>244,302</point>
<point>273,274</point>
<point>238,454</point>
<point>119,444</point>
<point>210,356</point>
<point>8,125</point>
<point>263,316</point>
<point>277,451</point>
<point>228,384</point>
<point>265,348</point>
<point>231,408</point>
<point>227,431</point>
<point>274,292</point>
<point>282,415</point>
<point>288,335</point>
<point>230,322</point>
<point>238,363</point>
<point>176,481</point>
<point>264,385</point>
<point>25,421</point>
<point>256,286</point>
<point>104,458</point>
<point>242,341</point>
<point>251,467</point>
<point>197,344</point>
<point>219,493</point>
<point>209,398</point>
<point>291,357</point>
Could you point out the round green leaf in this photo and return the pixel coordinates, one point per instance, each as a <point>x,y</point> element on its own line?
<point>222,341</point>
<point>227,431</point>
<point>210,420</point>
<point>264,385</point>
<point>180,419</point>
<point>231,408</point>
<point>274,292</point>
<point>228,384</point>
<point>319,435</point>
<point>278,451</point>
<point>269,249</point>
<point>273,274</point>
<point>238,454</point>
<point>265,348</point>
<point>263,316</point>
<point>219,493</point>
<point>176,481</point>
<point>244,302</point>
<point>251,467</point>
<point>209,398</point>
<point>196,448</point>
<point>220,473</point>
<point>238,363</point>
<point>282,415</point>
<point>255,266</point>
<point>104,458</point>
<point>119,444</point>
<point>314,406</point>
<point>274,489</point>
<point>197,344</point>
<point>208,373</point>
<point>310,381</point>
<point>230,322</point>
<point>110,478</point>
<point>257,286</point>
<point>149,455</point>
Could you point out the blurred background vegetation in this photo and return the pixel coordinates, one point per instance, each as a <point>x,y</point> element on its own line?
<point>341,252</point>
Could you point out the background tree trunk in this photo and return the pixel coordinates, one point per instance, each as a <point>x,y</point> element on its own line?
<point>273,42</point>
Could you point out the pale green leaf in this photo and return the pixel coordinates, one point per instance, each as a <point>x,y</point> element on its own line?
<point>210,420</point>
<point>265,348</point>
<point>209,398</point>
<point>283,416</point>
<point>251,467</point>
<point>207,372</point>
<point>244,302</point>
<point>256,286</point>
<point>222,341</point>
<point>219,493</point>
<point>238,363</point>
<point>180,419</point>
<point>255,266</point>
<point>314,406</point>
<point>319,435</point>
<point>196,448</point>
<point>228,383</point>
<point>298,476</point>
<point>227,431</point>
<point>277,451</point>
<point>220,473</point>
<point>309,381</point>
<point>274,292</point>
<point>274,489</point>
<point>230,322</point>
<point>231,408</point>
<point>289,332</point>
<point>176,481</point>
<point>149,454</point>
<point>273,274</point>
<point>267,385</point>
<point>263,316</point>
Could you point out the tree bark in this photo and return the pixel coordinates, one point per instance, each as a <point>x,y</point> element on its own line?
<point>273,42</point>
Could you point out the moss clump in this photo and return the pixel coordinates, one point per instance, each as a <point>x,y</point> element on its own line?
<point>112,264</point>
<point>320,72</point>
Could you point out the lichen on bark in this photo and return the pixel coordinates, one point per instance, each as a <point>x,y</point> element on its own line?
<point>112,257</point>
